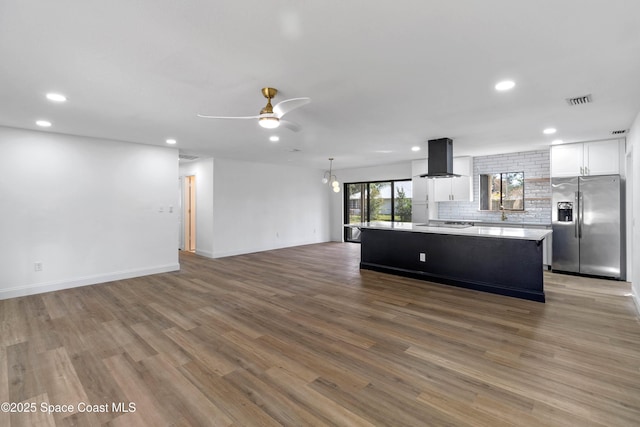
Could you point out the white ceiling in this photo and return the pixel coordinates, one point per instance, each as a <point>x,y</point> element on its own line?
<point>382,76</point>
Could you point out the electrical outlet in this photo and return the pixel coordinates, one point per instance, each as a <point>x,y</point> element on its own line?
<point>37,266</point>
<point>423,257</point>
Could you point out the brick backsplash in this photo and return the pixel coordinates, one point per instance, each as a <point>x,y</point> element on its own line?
<point>537,188</point>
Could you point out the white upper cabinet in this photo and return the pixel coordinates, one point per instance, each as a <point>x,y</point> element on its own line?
<point>602,157</point>
<point>458,188</point>
<point>442,190</point>
<point>587,158</point>
<point>567,160</point>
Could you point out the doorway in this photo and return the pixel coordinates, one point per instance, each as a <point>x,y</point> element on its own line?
<point>189,213</point>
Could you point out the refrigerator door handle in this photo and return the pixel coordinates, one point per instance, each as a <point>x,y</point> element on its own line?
<point>575,217</point>
<point>581,219</point>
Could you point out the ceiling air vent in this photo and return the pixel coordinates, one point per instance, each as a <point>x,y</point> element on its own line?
<point>618,132</point>
<point>578,100</point>
<point>187,157</point>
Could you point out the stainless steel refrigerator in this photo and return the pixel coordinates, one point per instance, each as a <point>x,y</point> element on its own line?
<point>587,225</point>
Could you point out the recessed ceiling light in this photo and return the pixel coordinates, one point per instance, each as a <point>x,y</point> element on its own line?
<point>43,123</point>
<point>549,131</point>
<point>415,148</point>
<point>505,85</point>
<point>171,141</point>
<point>384,151</point>
<point>556,141</point>
<point>274,138</point>
<point>56,97</point>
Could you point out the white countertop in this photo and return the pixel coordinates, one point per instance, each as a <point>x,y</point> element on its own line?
<point>507,223</point>
<point>478,231</point>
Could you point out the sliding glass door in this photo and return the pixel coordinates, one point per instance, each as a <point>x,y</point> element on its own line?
<point>376,201</point>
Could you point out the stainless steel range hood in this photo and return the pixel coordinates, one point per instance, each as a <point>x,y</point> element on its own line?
<point>440,159</point>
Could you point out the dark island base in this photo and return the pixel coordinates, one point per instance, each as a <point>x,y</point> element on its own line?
<point>510,267</point>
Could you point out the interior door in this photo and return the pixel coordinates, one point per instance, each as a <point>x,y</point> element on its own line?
<point>189,213</point>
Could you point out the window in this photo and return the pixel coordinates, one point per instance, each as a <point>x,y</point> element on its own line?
<point>502,191</point>
<point>402,201</point>
<point>376,201</point>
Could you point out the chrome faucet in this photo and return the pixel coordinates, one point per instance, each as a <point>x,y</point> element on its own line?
<point>504,215</point>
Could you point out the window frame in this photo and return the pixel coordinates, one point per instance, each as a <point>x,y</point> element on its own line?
<point>486,195</point>
<point>367,194</point>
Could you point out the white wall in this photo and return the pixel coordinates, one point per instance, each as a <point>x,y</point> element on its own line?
<point>373,173</point>
<point>88,209</point>
<point>633,223</point>
<point>203,172</point>
<point>258,207</point>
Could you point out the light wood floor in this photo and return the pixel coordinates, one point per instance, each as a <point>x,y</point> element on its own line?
<point>302,337</point>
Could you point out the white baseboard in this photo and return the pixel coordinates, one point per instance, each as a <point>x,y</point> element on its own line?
<point>39,288</point>
<point>636,299</point>
<point>207,254</point>
<point>222,254</point>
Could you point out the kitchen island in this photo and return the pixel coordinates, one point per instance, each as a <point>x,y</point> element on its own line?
<point>501,260</point>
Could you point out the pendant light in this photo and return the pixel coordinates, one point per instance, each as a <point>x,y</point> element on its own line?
<point>329,177</point>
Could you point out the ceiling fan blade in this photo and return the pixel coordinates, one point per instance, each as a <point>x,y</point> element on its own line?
<point>283,107</point>
<point>290,125</point>
<point>222,117</point>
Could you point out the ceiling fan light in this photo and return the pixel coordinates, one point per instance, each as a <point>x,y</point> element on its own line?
<point>269,122</point>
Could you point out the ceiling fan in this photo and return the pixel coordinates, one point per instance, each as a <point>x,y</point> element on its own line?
<point>270,117</point>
